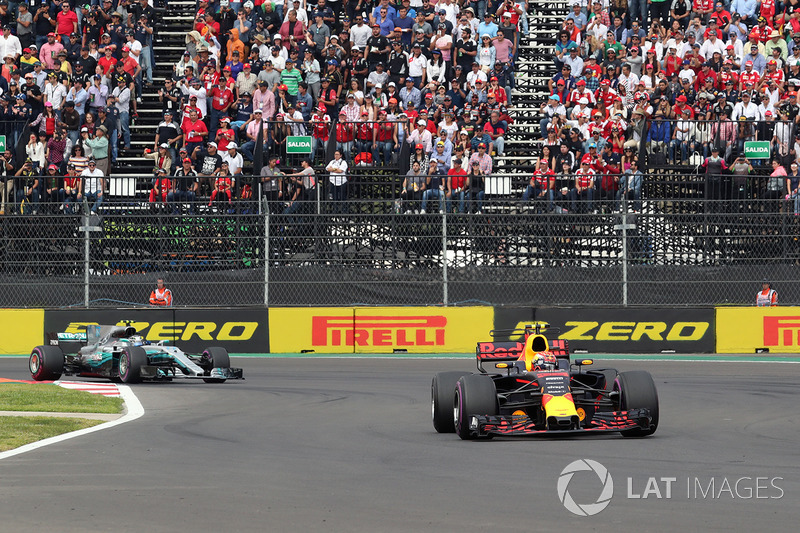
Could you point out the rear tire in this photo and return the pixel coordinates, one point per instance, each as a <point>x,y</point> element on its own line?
<point>443,388</point>
<point>638,391</point>
<point>46,363</point>
<point>131,361</point>
<point>216,357</point>
<point>475,395</point>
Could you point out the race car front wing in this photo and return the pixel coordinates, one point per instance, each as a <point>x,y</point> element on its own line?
<point>159,372</point>
<point>522,426</point>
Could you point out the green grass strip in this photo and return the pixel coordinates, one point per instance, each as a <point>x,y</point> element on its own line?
<point>16,431</point>
<point>54,399</point>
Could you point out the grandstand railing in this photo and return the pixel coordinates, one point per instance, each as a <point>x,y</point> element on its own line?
<point>673,253</point>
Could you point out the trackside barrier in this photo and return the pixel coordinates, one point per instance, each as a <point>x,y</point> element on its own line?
<point>237,330</point>
<point>379,329</point>
<point>620,330</point>
<point>21,330</point>
<point>758,329</point>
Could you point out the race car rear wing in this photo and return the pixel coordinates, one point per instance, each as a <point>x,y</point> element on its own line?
<point>499,351</point>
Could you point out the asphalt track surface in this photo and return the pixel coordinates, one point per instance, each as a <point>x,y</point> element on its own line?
<point>347,445</point>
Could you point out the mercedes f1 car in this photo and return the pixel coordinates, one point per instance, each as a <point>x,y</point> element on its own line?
<point>118,353</point>
<point>535,390</point>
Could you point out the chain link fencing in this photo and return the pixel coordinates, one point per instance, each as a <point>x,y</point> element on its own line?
<point>672,253</point>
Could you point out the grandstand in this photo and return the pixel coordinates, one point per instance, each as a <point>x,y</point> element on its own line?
<point>573,249</point>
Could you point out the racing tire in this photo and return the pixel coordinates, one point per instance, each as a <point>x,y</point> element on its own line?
<point>131,361</point>
<point>443,387</point>
<point>638,391</point>
<point>46,363</point>
<point>475,394</point>
<point>216,357</point>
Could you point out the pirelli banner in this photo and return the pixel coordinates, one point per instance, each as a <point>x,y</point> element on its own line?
<point>236,330</point>
<point>758,329</point>
<point>378,329</point>
<point>621,330</point>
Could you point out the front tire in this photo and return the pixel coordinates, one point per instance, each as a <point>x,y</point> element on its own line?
<point>215,357</point>
<point>131,362</point>
<point>638,391</point>
<point>443,387</point>
<point>475,395</point>
<point>46,363</point>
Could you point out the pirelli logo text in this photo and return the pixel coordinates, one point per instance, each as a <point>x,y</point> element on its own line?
<point>378,330</point>
<point>782,331</point>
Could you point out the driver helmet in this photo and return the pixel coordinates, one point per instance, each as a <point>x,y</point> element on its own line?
<point>544,361</point>
<point>136,340</point>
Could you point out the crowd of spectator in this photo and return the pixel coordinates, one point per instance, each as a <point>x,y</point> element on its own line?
<point>370,81</point>
<point>72,76</point>
<point>681,83</point>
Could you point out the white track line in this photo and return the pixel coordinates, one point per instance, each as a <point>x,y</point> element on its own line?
<point>134,410</point>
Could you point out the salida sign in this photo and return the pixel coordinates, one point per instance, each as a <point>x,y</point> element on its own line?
<point>237,330</point>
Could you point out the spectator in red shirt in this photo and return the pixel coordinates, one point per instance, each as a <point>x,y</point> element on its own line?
<point>456,185</point>
<point>542,185</point>
<point>66,23</point>
<point>194,131</point>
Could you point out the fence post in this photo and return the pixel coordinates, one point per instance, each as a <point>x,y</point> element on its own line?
<point>266,252</point>
<point>624,226</point>
<point>444,258</point>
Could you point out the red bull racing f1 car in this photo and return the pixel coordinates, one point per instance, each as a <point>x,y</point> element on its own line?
<point>535,390</point>
<point>118,353</point>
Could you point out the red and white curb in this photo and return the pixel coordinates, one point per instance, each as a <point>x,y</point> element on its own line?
<point>133,410</point>
<point>106,389</point>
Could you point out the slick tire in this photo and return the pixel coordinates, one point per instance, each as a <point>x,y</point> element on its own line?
<point>131,361</point>
<point>46,363</point>
<point>638,391</point>
<point>443,387</point>
<point>475,395</point>
<point>215,357</point>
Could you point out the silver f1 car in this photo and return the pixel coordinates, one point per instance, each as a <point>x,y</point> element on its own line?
<point>118,353</point>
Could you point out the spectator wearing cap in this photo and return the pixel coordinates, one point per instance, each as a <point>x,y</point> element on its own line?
<point>49,51</point>
<point>776,41</point>
<point>251,128</point>
<point>319,32</point>
<point>410,93</point>
<point>161,157</point>
<point>264,100</point>
<point>162,185</point>
<point>377,48</point>
<point>337,175</point>
<point>98,93</point>
<point>122,99</point>
<point>234,159</point>
<point>25,25</point>
<point>221,100</point>
<point>291,78</point>
<point>234,65</point>
<point>185,184</point>
<point>185,61</point>
<point>421,135</point>
<point>195,90</point>
<point>550,109</point>
<point>93,184</point>
<point>99,148</point>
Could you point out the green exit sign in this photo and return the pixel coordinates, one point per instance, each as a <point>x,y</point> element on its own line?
<point>2,143</point>
<point>756,149</point>
<point>298,145</point>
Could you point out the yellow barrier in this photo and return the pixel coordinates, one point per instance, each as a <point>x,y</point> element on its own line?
<point>378,329</point>
<point>746,329</point>
<point>23,329</point>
